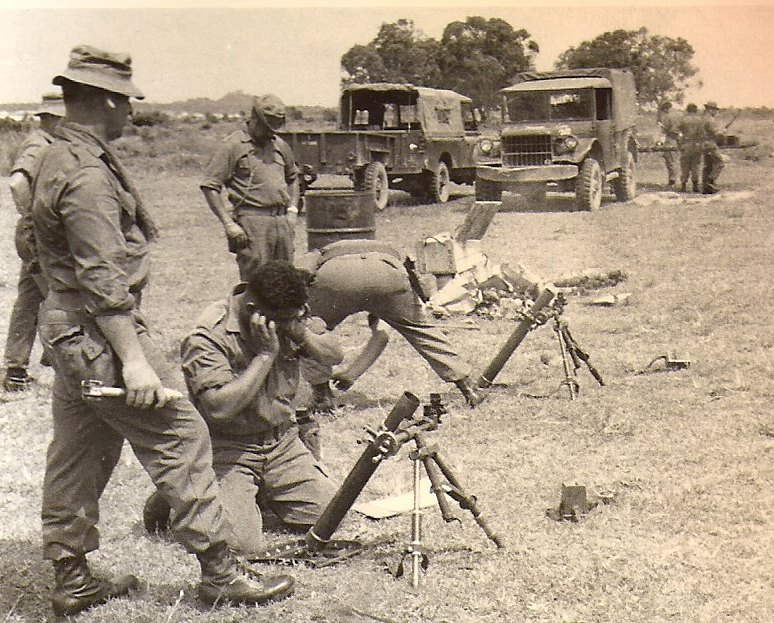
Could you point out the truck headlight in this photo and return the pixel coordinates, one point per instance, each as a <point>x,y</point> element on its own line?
<point>565,144</point>
<point>485,145</point>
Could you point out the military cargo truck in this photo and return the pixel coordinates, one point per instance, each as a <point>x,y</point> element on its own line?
<point>396,135</point>
<point>571,130</point>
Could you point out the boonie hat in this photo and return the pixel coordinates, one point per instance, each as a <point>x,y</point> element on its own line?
<point>104,70</point>
<point>691,108</point>
<point>271,110</point>
<point>711,106</point>
<point>52,104</point>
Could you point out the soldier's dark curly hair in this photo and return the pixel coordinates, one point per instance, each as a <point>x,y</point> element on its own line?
<point>280,285</point>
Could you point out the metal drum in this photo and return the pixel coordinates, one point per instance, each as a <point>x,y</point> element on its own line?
<point>333,215</point>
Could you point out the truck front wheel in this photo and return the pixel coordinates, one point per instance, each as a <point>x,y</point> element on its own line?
<point>438,184</point>
<point>375,181</point>
<point>588,187</point>
<point>487,190</point>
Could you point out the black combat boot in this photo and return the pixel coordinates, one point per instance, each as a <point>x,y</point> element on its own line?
<point>225,580</point>
<point>683,187</point>
<point>472,394</point>
<point>76,589</point>
<point>155,513</point>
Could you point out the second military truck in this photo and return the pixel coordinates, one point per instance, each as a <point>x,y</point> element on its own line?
<point>412,138</point>
<point>571,130</point>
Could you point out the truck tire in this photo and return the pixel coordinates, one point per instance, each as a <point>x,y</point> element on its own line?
<point>438,184</point>
<point>625,185</point>
<point>487,190</point>
<point>589,186</point>
<point>375,180</point>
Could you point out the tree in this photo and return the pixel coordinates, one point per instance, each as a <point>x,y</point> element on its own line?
<point>661,65</point>
<point>476,57</point>
<point>479,57</point>
<point>398,53</point>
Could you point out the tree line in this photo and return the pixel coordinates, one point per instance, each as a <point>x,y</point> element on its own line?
<point>480,56</point>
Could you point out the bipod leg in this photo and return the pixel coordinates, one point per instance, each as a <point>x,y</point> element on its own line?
<point>467,502</point>
<point>427,455</point>
<point>578,354</point>
<point>566,351</point>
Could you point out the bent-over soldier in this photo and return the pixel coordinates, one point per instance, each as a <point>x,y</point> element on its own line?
<point>351,276</point>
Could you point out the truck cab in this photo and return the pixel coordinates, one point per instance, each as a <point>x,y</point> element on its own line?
<point>571,130</point>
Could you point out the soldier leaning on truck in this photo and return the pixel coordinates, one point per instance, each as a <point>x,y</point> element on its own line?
<point>259,171</point>
<point>669,120</point>
<point>31,288</point>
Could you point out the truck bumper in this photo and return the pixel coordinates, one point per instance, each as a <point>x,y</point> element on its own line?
<point>547,173</point>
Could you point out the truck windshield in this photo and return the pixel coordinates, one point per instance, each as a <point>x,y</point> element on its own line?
<point>549,105</point>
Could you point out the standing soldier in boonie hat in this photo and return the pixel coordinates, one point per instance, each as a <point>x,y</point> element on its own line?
<point>93,232</point>
<point>31,289</point>
<point>259,171</point>
<point>713,161</point>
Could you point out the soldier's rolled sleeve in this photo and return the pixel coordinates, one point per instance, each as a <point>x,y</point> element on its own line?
<point>291,170</point>
<point>219,169</point>
<point>92,218</point>
<point>204,365</point>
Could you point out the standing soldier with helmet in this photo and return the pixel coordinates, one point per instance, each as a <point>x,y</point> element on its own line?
<point>713,160</point>
<point>669,120</point>
<point>31,289</point>
<point>259,171</point>
<point>93,233</point>
<point>692,144</point>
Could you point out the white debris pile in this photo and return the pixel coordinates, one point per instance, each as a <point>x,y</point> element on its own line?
<point>460,279</point>
<point>675,198</point>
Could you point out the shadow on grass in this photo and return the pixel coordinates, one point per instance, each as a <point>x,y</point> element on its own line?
<point>25,582</point>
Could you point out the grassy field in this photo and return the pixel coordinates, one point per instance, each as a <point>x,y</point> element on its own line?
<point>686,456</point>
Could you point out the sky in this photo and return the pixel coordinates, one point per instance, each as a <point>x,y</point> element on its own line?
<point>204,49</point>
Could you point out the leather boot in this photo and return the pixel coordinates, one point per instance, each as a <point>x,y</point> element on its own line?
<point>473,396</point>
<point>225,580</point>
<point>76,589</point>
<point>155,513</point>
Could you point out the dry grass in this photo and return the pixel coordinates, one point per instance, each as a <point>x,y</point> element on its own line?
<point>687,455</point>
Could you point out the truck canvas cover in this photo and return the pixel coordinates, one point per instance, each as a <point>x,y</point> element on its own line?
<point>433,108</point>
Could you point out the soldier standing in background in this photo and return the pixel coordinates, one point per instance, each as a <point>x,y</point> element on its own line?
<point>259,171</point>
<point>669,120</point>
<point>692,144</point>
<point>93,235</point>
<point>31,289</point>
<point>713,161</point>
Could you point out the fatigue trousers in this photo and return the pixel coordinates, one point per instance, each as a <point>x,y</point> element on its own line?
<point>270,238</point>
<point>172,443</point>
<point>277,473</point>
<point>670,160</point>
<point>379,285</point>
<point>690,163</point>
<point>713,165</point>
<point>22,325</point>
